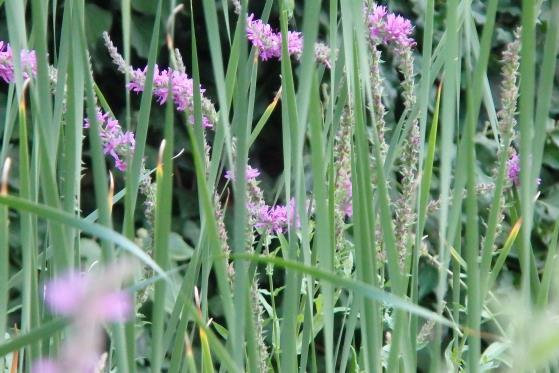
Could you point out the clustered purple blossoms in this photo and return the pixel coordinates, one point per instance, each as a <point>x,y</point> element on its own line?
<point>274,219</point>
<point>28,62</point>
<point>182,89</point>
<point>386,27</point>
<point>88,301</point>
<point>347,203</point>
<point>268,42</point>
<point>250,174</point>
<point>513,170</point>
<point>116,143</point>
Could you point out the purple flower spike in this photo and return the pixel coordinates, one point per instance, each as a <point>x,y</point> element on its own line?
<point>376,21</point>
<point>276,219</point>
<point>268,42</point>
<point>294,43</point>
<point>264,38</point>
<point>250,174</point>
<point>28,62</point>
<point>513,169</point>
<point>116,143</point>
<point>182,89</point>
<point>386,27</point>
<point>399,30</point>
<point>347,205</point>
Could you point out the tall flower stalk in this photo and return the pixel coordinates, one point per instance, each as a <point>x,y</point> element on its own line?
<point>395,32</point>
<point>343,194</point>
<point>181,86</point>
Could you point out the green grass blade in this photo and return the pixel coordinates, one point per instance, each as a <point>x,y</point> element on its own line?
<point>4,257</point>
<point>526,120</point>
<point>549,268</point>
<point>161,234</point>
<point>133,171</point>
<point>323,228</point>
<point>43,332</point>
<point>93,229</point>
<point>359,288</point>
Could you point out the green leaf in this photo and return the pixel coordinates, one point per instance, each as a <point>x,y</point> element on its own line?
<point>178,249</point>
<point>145,6</point>
<point>140,34</point>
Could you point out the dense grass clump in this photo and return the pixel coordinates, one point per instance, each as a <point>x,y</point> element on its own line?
<point>279,186</point>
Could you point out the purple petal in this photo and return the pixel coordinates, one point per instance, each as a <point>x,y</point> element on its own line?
<point>65,294</point>
<point>114,307</point>
<point>46,366</point>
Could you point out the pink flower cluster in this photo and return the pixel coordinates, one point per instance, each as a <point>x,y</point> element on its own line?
<point>182,89</point>
<point>386,27</point>
<point>513,170</point>
<point>28,62</point>
<point>89,301</point>
<point>347,204</point>
<point>78,295</point>
<point>268,42</point>
<point>250,174</point>
<point>116,143</point>
<point>275,219</point>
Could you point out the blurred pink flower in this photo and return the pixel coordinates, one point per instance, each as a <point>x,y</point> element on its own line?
<point>64,295</point>
<point>77,295</point>
<point>46,366</point>
<point>89,300</point>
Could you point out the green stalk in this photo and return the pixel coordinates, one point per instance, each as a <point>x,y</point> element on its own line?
<point>4,257</point>
<point>241,284</point>
<point>526,120</point>
<point>545,88</point>
<point>423,102</point>
<point>100,175</point>
<point>133,171</point>
<point>161,234</point>
<point>448,116</point>
<point>324,243</point>
<point>30,304</point>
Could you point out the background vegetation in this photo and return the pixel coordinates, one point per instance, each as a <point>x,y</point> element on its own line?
<point>315,319</point>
